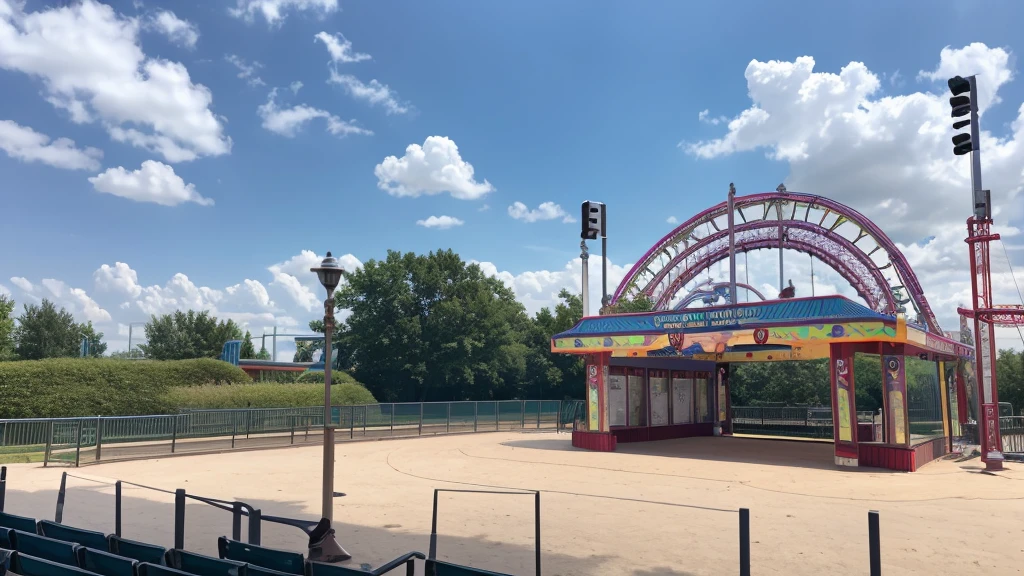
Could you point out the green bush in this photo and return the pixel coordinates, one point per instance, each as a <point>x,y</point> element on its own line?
<point>265,396</point>
<point>337,377</point>
<point>61,387</point>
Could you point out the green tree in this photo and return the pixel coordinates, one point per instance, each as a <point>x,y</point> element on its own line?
<point>184,335</point>
<point>639,303</point>
<point>263,354</point>
<point>432,327</point>
<point>45,332</point>
<point>97,347</point>
<point>1010,379</point>
<point>6,328</point>
<point>561,375</point>
<point>248,351</point>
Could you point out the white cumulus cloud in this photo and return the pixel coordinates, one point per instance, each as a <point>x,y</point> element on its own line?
<point>890,157</point>
<point>546,211</point>
<point>301,285</point>
<point>433,168</point>
<point>24,143</point>
<point>340,49</point>
<point>247,70</point>
<point>154,182</point>
<point>374,93</point>
<point>289,121</point>
<point>118,278</point>
<point>440,222</point>
<point>74,300</point>
<point>91,64</point>
<point>181,32</point>
<point>274,11</point>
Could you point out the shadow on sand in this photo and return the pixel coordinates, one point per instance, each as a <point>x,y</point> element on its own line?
<point>763,452</point>
<point>148,516</point>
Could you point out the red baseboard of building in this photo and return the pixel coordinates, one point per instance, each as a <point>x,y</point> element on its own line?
<point>901,458</point>
<point>597,441</point>
<point>648,434</point>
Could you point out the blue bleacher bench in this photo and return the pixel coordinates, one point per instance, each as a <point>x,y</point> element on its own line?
<point>105,563</point>
<point>141,551</point>
<point>45,548</point>
<point>201,565</point>
<point>17,522</point>
<point>438,568</point>
<point>27,565</point>
<point>276,560</point>
<point>87,538</point>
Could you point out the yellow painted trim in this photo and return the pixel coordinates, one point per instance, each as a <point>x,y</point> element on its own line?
<point>901,328</point>
<point>944,394</point>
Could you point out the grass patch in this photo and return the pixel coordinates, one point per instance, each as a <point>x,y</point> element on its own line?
<point>22,458</point>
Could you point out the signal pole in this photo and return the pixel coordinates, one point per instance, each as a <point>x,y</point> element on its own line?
<point>965,103</point>
<point>593,226</point>
<point>584,256</point>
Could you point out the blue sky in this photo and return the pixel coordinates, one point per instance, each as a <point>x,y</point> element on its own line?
<point>549,102</point>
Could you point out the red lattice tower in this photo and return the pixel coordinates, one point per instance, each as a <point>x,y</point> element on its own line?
<point>987,316</point>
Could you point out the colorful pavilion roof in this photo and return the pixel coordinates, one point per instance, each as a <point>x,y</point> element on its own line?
<point>789,329</point>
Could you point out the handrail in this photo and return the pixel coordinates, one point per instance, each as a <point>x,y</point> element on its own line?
<point>89,439</point>
<point>406,559</point>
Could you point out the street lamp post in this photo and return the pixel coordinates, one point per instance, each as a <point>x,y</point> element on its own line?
<point>323,547</point>
<point>329,273</point>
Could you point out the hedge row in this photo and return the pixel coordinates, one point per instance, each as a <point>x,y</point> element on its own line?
<point>62,387</point>
<point>266,396</point>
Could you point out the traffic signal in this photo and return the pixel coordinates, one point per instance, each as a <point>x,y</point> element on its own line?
<point>592,220</point>
<point>963,103</point>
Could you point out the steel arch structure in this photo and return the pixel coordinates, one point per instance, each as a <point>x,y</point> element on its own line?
<point>841,237</point>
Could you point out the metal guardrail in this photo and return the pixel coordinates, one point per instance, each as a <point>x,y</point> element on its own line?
<point>76,441</point>
<point>802,421</point>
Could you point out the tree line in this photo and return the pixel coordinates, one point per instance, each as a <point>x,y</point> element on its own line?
<point>43,331</point>
<point>432,327</point>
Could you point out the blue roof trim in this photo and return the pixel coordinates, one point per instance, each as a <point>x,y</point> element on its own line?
<point>695,320</point>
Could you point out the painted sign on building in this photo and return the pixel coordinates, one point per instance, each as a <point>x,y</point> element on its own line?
<point>842,366</point>
<point>894,373</point>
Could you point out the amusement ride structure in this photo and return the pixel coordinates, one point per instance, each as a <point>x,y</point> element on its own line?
<point>842,238</point>
<point>665,373</point>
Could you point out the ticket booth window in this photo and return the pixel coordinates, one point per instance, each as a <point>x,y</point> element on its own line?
<point>702,384</point>
<point>658,383</point>
<point>682,398</point>
<point>617,396</point>
<point>636,385</point>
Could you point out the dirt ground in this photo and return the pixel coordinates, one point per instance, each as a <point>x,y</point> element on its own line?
<point>663,508</point>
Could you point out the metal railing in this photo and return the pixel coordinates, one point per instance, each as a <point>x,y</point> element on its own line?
<point>802,421</point>
<point>255,519</point>
<point>77,441</point>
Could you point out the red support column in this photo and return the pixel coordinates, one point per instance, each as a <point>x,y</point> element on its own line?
<point>978,237</point>
<point>726,395</point>
<point>597,391</point>
<point>844,405</point>
<point>894,394</point>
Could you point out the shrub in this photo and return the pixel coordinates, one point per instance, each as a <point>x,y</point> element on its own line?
<point>62,387</point>
<point>337,377</point>
<point>265,396</point>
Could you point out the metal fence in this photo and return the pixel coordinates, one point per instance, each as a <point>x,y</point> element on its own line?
<point>801,421</point>
<point>1011,431</point>
<point>78,441</point>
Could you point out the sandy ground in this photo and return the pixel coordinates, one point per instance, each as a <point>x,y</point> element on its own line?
<point>664,508</point>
